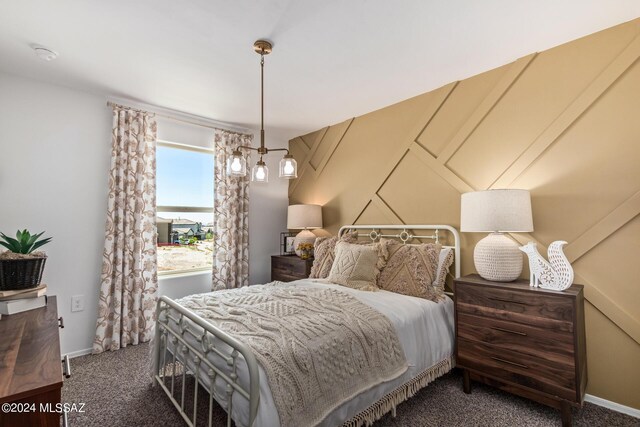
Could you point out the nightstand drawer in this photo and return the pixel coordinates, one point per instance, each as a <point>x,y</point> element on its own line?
<point>292,264</point>
<point>527,307</point>
<point>554,378</point>
<point>286,268</point>
<point>284,276</point>
<point>528,339</point>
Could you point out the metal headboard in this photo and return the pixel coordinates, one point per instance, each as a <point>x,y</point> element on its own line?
<point>405,234</point>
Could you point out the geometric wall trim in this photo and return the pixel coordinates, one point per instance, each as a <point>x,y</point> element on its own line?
<point>543,122</point>
<point>581,104</point>
<point>509,78</point>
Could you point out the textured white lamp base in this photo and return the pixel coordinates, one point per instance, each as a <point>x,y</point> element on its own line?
<point>306,236</point>
<point>498,258</point>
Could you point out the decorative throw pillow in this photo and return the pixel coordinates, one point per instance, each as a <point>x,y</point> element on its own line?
<point>445,259</point>
<point>324,249</point>
<point>411,270</point>
<point>358,266</point>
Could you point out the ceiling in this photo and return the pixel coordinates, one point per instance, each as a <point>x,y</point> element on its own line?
<point>331,60</point>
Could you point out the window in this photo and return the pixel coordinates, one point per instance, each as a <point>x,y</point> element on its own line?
<point>184,186</point>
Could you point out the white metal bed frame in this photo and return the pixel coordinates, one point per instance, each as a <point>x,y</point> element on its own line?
<point>192,360</point>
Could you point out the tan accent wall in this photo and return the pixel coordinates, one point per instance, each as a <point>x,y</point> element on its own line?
<point>563,123</point>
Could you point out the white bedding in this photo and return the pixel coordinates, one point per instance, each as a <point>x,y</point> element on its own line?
<point>425,330</point>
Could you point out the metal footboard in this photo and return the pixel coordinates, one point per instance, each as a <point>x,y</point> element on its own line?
<point>186,358</point>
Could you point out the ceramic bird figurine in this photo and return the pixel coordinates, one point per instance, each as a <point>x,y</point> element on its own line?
<point>556,274</point>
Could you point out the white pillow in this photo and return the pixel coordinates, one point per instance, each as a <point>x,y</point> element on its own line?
<point>358,266</point>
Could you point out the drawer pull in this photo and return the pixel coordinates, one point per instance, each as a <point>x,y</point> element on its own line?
<point>66,366</point>
<point>61,322</point>
<point>508,300</point>
<point>524,334</point>
<point>510,362</point>
<point>65,419</point>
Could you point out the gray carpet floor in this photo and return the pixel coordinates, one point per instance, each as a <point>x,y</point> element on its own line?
<point>116,390</point>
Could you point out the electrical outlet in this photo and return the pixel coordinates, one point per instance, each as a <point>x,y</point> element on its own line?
<point>77,303</point>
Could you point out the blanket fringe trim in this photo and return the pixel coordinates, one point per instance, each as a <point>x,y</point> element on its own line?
<point>389,402</point>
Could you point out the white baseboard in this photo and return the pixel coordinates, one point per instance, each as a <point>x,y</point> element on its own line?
<point>612,405</point>
<point>80,353</point>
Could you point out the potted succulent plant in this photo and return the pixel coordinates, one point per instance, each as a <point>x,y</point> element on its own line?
<point>21,265</point>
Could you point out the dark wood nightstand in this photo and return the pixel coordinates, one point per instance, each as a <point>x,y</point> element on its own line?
<point>287,268</point>
<point>524,340</point>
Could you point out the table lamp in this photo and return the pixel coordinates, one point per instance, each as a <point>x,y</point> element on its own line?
<point>304,217</point>
<point>497,256</point>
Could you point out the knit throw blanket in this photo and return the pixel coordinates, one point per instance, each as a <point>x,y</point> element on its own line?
<point>319,347</point>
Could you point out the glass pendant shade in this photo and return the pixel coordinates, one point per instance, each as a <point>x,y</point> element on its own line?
<point>236,164</point>
<point>288,167</point>
<point>260,172</point>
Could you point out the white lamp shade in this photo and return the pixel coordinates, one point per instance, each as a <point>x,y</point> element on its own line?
<point>304,216</point>
<point>496,210</point>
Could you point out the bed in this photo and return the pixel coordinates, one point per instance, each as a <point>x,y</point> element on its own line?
<point>188,345</point>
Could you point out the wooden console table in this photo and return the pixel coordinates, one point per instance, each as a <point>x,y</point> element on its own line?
<point>30,367</point>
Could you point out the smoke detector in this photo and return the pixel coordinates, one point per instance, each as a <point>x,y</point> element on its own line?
<point>44,53</point>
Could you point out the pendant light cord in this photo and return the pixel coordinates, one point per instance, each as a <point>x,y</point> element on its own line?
<point>262,99</point>
<point>263,48</point>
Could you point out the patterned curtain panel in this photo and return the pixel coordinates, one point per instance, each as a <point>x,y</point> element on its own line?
<point>231,216</point>
<point>129,269</point>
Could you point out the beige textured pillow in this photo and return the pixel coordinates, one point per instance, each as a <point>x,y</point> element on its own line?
<point>411,270</point>
<point>323,254</point>
<point>445,259</point>
<point>358,266</point>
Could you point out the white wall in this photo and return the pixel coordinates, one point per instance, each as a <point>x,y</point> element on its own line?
<point>54,145</point>
<point>54,151</point>
<point>267,212</point>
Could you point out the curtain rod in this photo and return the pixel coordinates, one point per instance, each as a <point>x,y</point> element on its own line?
<point>137,110</point>
<point>176,117</point>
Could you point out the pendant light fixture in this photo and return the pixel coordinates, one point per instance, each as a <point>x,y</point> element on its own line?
<point>237,164</point>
